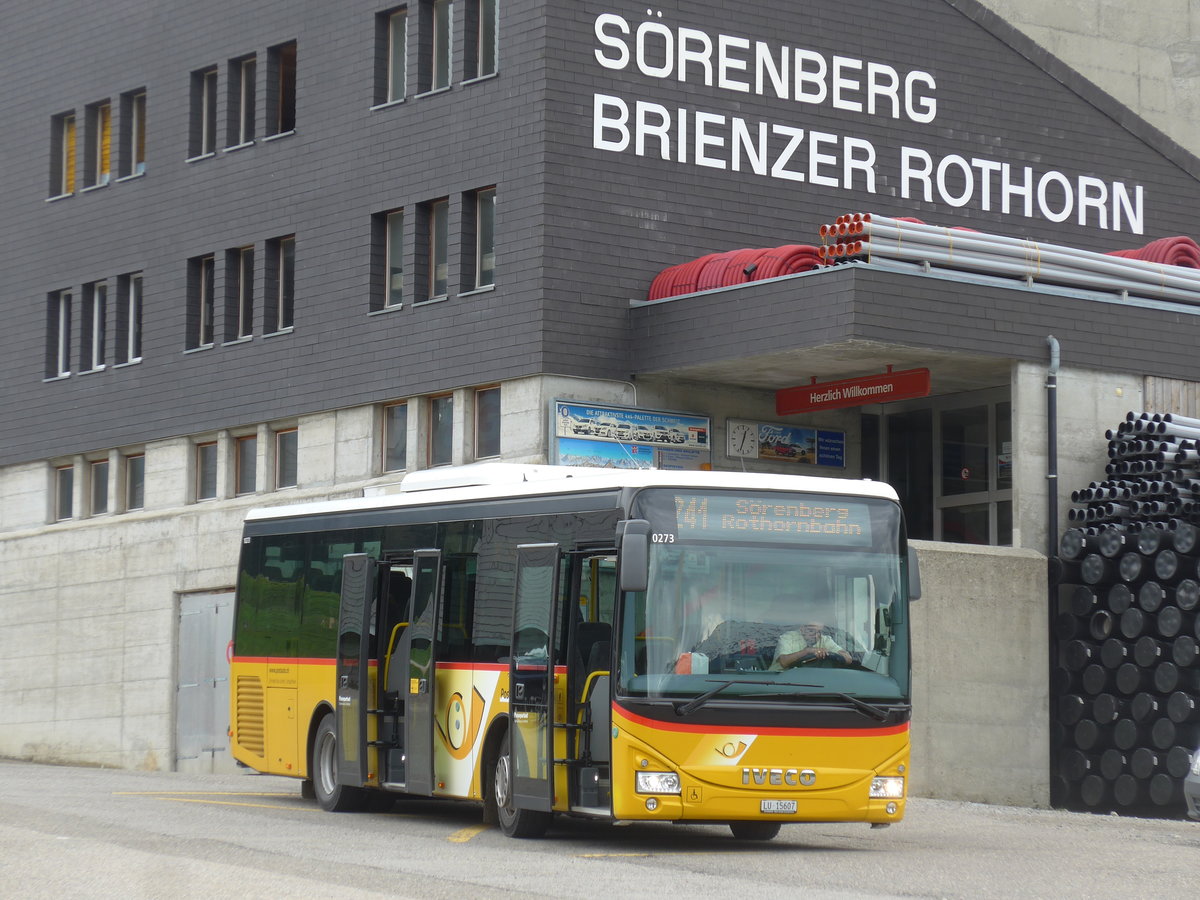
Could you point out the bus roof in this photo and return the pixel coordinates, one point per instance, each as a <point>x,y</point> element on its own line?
<point>489,481</point>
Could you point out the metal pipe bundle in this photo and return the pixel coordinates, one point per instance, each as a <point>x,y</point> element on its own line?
<point>1127,624</point>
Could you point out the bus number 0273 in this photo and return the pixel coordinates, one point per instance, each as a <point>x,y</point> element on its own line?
<point>660,537</point>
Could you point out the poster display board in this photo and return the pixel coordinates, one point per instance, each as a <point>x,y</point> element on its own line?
<point>615,437</point>
<point>787,443</point>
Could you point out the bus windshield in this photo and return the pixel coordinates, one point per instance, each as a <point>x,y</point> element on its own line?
<point>767,597</point>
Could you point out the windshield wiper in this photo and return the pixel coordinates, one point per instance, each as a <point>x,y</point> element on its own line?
<point>683,709</point>
<point>868,709</point>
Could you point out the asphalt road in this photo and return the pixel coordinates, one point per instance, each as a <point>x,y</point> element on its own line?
<point>90,833</point>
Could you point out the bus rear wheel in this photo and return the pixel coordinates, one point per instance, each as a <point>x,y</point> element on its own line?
<point>517,823</point>
<point>332,797</point>
<point>754,831</point>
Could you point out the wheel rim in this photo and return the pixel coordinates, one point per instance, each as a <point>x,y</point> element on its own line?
<point>325,762</point>
<point>503,782</point>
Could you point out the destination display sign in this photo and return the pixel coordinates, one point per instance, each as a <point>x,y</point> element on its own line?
<point>787,518</point>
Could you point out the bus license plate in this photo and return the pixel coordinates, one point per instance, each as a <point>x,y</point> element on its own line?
<point>777,806</point>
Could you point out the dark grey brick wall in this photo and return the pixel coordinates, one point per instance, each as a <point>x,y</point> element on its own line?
<point>580,231</point>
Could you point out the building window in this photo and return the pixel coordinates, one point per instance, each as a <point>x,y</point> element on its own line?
<point>95,312</point>
<point>98,476</point>
<point>135,482</point>
<point>245,463</point>
<point>202,139</point>
<point>391,41</point>
<point>281,88</point>
<point>206,471</point>
<point>129,318</point>
<point>58,334</point>
<point>240,121</point>
<point>441,430</point>
<point>201,275</point>
<point>950,460</point>
<point>487,422</point>
<point>395,437</point>
<point>133,133</point>
<point>64,493</point>
<point>239,293</point>
<point>482,24</point>
<point>437,242</point>
<point>483,223</point>
<point>395,259</point>
<point>98,157</point>
<point>286,444</point>
<point>281,282</point>
<point>62,154</point>
<point>436,48</point>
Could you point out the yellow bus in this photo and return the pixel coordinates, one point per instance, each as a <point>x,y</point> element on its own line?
<point>615,644</point>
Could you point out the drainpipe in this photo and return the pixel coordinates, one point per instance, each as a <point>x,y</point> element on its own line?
<point>1052,539</point>
<point>1052,447</point>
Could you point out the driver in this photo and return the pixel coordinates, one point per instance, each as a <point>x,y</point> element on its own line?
<point>805,644</point>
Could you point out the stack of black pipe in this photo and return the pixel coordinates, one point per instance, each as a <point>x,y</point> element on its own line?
<point>1126,691</point>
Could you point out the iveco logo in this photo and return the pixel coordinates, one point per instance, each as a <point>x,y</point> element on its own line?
<point>806,777</point>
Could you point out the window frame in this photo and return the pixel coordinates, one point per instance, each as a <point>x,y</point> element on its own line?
<point>98,499</point>
<point>438,436</point>
<point>280,437</point>
<point>63,139</point>
<point>202,272</point>
<point>392,450</point>
<point>485,199</point>
<point>98,158</point>
<point>133,133</point>
<point>241,106</point>
<point>128,323</point>
<point>282,71</point>
<point>393,299</point>
<point>203,139</point>
<point>135,461</point>
<point>95,327</point>
<point>206,459</point>
<point>239,293</point>
<point>239,464</point>
<point>394,70</point>
<point>492,449</point>
<point>64,494</point>
<point>281,286</point>
<point>438,242</point>
<point>485,21</point>
<point>59,308</point>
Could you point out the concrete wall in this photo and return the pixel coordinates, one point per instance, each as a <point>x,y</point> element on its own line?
<point>1147,57</point>
<point>1089,402</point>
<point>980,666</point>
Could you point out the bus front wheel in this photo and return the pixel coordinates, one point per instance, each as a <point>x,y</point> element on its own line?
<point>517,823</point>
<point>754,831</point>
<point>332,797</point>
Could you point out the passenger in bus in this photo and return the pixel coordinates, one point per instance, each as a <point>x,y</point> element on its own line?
<point>808,643</point>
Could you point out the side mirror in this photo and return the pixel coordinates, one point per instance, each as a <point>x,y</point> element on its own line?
<point>633,542</point>
<point>914,576</point>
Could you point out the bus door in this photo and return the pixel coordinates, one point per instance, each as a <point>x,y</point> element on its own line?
<point>413,659</point>
<point>360,587</point>
<point>531,678</point>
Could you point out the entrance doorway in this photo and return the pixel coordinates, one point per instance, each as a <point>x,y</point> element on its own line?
<point>202,685</point>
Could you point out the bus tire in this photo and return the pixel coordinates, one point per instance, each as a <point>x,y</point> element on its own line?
<point>517,823</point>
<point>754,831</point>
<point>331,796</point>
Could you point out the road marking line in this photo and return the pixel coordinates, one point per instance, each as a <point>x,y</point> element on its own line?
<point>234,803</point>
<point>200,794</point>
<point>465,834</point>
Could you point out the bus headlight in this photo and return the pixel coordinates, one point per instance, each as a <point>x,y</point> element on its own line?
<point>657,783</point>
<point>887,787</point>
